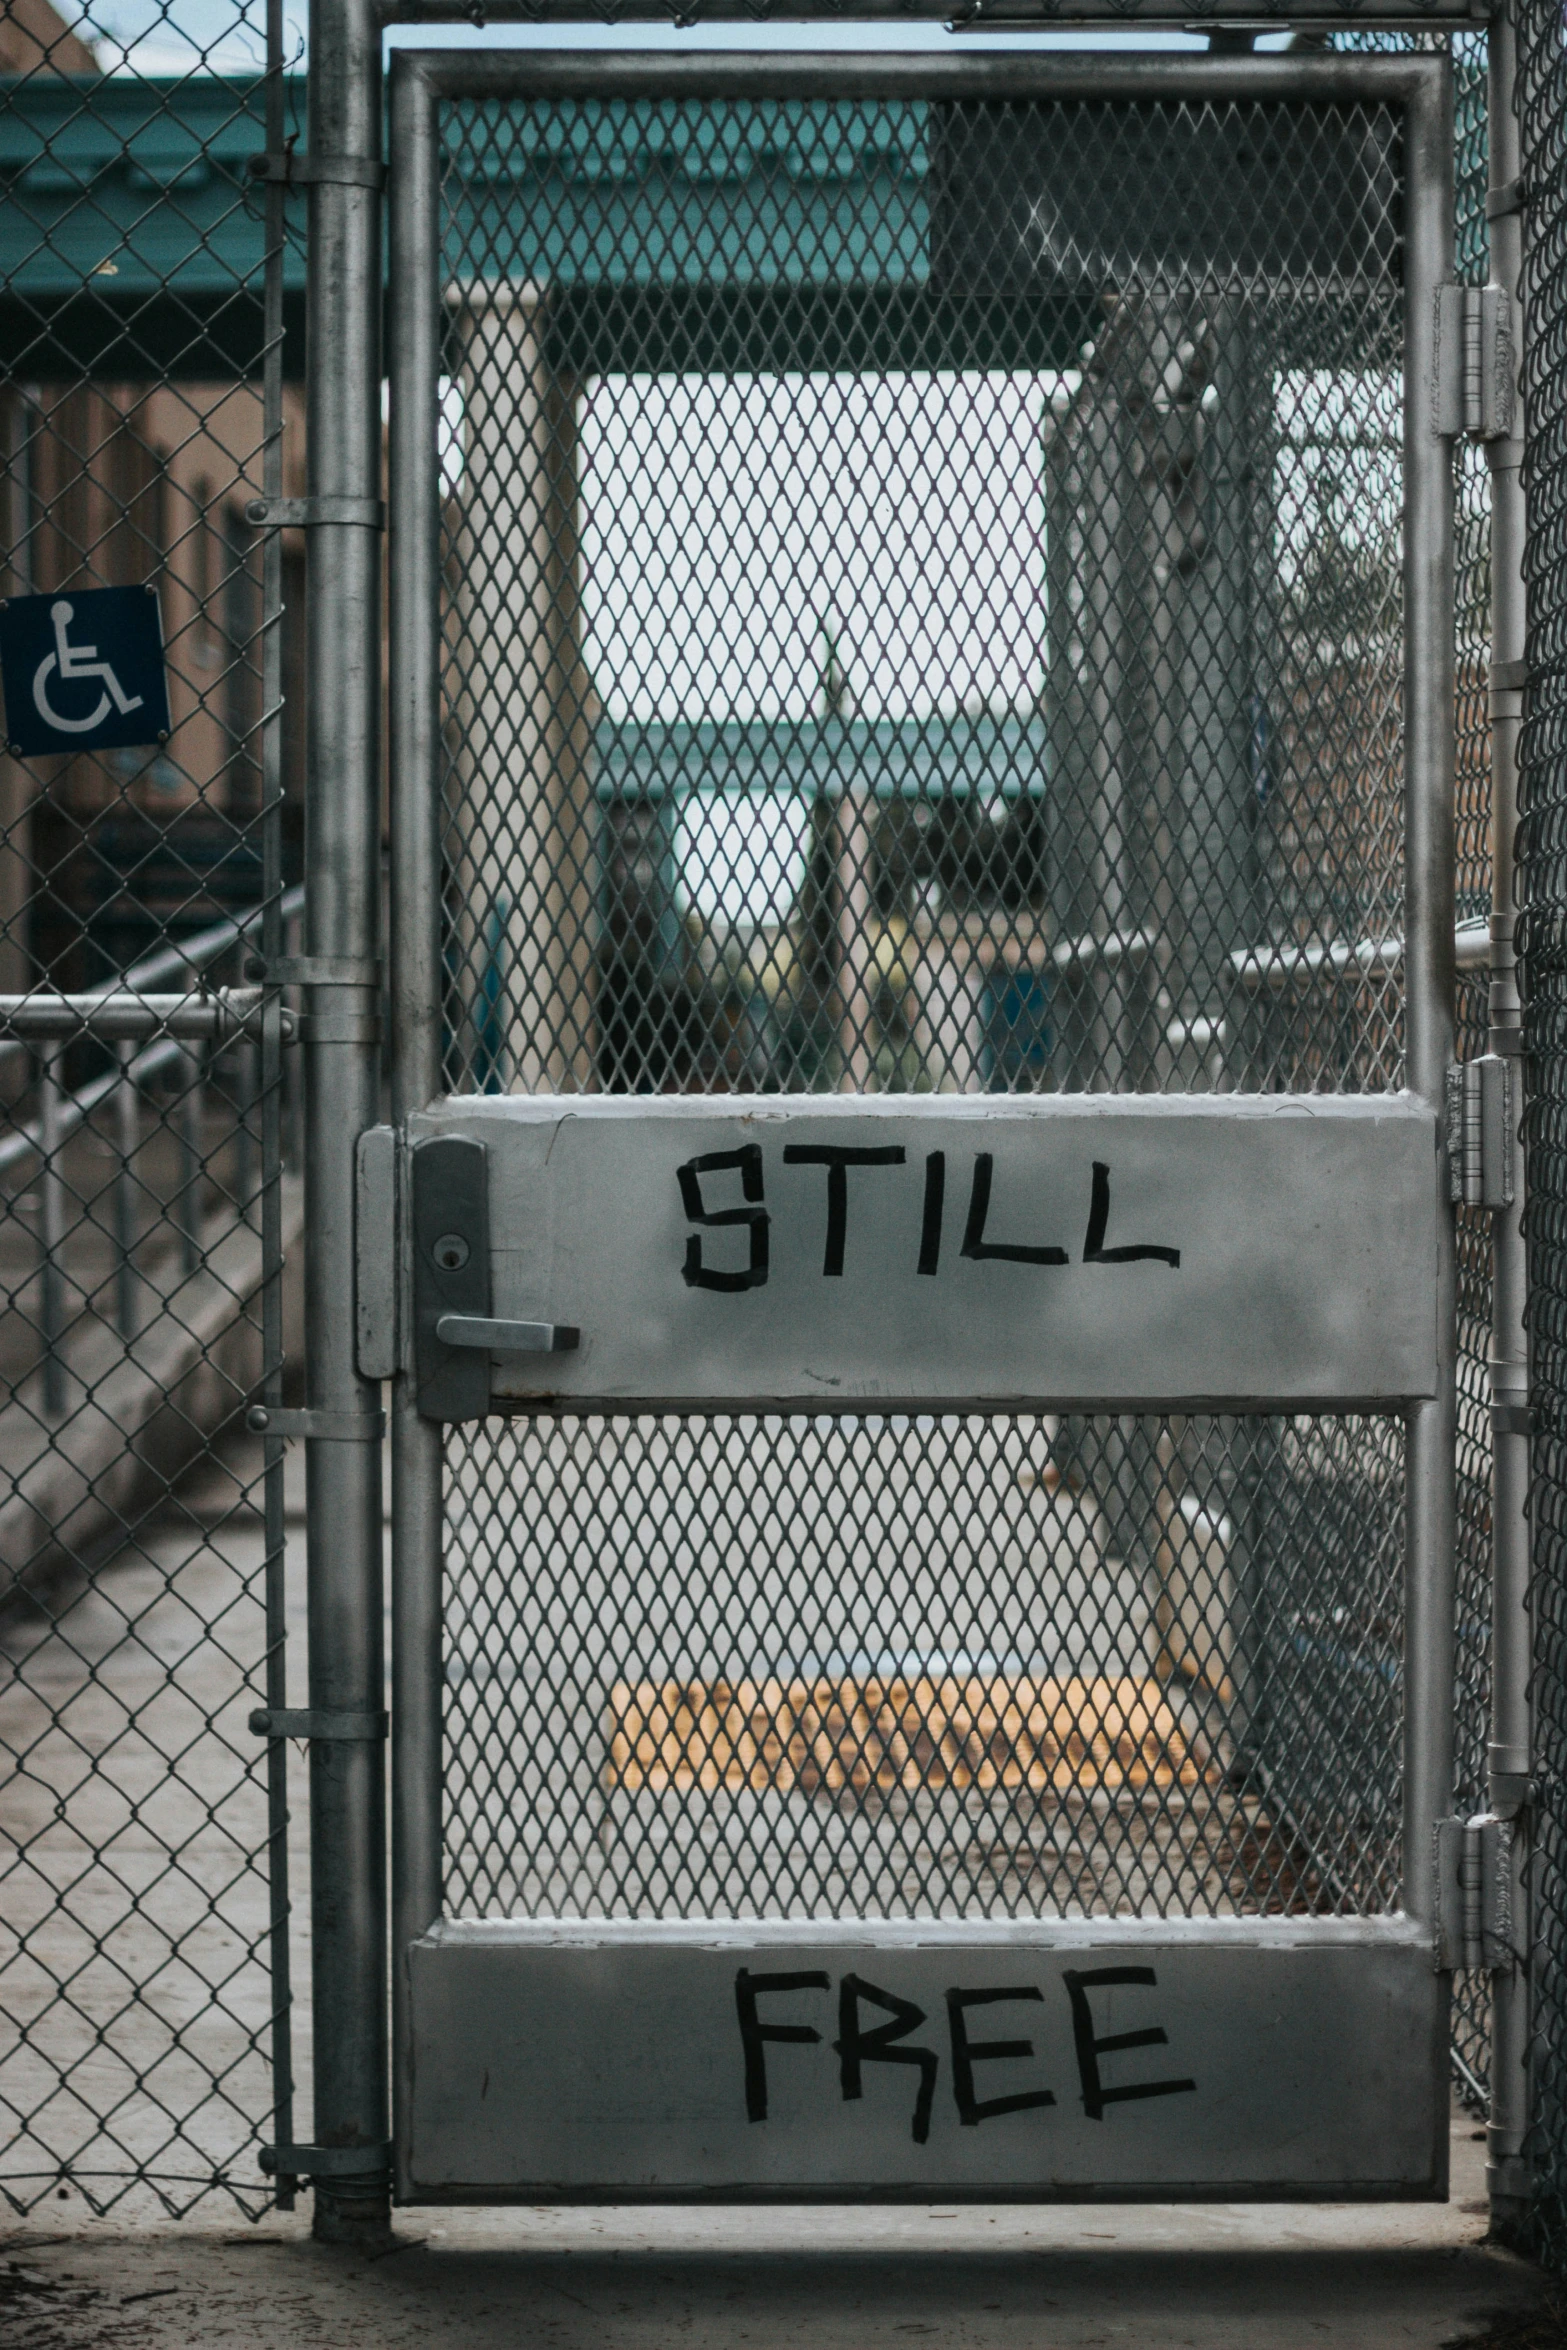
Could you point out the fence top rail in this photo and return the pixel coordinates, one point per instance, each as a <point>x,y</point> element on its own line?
<point>714,73</point>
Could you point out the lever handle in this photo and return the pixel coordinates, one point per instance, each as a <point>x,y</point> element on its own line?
<point>507,1338</point>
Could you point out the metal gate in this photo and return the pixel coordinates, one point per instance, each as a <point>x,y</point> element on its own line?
<point>921,626</point>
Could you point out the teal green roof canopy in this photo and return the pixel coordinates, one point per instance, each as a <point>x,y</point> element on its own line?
<point>131,234</point>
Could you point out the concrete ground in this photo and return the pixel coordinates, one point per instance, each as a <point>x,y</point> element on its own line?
<point>1217,2277</point>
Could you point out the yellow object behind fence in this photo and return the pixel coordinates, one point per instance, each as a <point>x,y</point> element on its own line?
<point>825,1736</point>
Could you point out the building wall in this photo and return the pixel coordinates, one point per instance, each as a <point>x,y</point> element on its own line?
<point>115,485</point>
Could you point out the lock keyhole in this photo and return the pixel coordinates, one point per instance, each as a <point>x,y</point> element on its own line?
<point>451,1252</point>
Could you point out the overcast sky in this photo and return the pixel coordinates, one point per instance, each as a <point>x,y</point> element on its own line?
<point>178,36</point>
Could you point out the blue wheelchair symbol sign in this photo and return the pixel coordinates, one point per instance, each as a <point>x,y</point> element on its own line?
<point>83,670</point>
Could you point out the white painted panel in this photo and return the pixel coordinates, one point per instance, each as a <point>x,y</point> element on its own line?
<point>1305,1229</point>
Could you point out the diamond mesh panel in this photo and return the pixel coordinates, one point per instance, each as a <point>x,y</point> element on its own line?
<point>1472,1697</point>
<point>143,1207</point>
<point>922,612</point>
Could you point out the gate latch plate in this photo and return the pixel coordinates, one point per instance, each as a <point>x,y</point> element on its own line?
<point>449,1181</point>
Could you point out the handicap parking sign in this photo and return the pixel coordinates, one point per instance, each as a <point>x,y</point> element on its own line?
<point>83,670</point>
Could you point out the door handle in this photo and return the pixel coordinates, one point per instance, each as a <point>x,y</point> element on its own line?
<point>507,1338</point>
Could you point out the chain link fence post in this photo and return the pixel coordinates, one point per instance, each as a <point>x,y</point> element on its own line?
<point>1509,1759</point>
<point>342,1082</point>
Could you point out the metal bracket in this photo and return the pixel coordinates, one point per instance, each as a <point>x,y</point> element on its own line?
<point>324,971</point>
<point>1479,1131</point>
<point>1502,202</point>
<point>1511,1419</point>
<point>1474,1894</point>
<point>265,1419</point>
<point>341,1024</point>
<point>326,2162</point>
<point>317,171</point>
<point>312,513</point>
<point>318,1723</point>
<point>1476,365</point>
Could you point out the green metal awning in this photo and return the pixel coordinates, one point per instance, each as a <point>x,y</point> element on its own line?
<point>132,238</point>
<point>131,235</point>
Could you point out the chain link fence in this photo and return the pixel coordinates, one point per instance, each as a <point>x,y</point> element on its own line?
<point>1542,109</point>
<point>149,291</point>
<point>1471,1992</point>
<point>857,878</point>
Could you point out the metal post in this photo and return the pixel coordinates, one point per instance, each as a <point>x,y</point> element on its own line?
<point>292,930</point>
<point>1511,1749</point>
<point>51,1233</point>
<point>342,1087</point>
<point>415,1002</point>
<point>126,1106</point>
<point>1429,971</point>
<point>268,1071</point>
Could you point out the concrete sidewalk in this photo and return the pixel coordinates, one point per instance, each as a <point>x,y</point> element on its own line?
<point>1219,2277</point>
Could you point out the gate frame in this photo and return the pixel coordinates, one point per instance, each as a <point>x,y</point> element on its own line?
<point>1421,84</point>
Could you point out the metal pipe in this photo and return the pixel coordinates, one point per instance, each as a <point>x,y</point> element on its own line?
<point>342,1097</point>
<point>51,1233</point>
<point>168,963</point>
<point>127,1104</point>
<point>415,961</point>
<point>819,74</point>
<point>290,1079</point>
<point>1376,958</point>
<point>269,1075</point>
<point>220,1014</point>
<point>1428,968</point>
<point>1512,1742</point>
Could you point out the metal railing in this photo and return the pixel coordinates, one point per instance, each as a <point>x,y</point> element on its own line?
<point>182,1031</point>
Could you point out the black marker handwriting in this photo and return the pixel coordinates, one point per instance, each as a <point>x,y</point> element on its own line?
<point>837,1162</point>
<point>1090,2048</point>
<point>748,1159</point>
<point>1010,1252</point>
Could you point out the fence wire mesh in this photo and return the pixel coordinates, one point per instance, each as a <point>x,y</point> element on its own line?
<point>144,1208</point>
<point>923,612</point>
<point>1542,110</point>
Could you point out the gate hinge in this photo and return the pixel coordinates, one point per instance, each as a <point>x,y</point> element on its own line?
<point>312,513</point>
<point>321,971</point>
<point>317,171</point>
<point>326,2162</point>
<point>1473,1861</point>
<point>316,1427</point>
<point>317,1722</point>
<point>1476,365</point>
<point>1479,1132</point>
